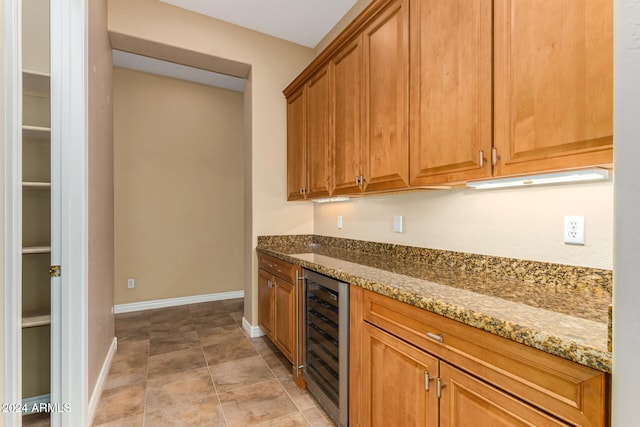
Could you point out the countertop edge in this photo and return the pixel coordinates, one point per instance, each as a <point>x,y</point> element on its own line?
<point>559,346</point>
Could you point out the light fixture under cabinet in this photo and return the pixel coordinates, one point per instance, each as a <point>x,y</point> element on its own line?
<point>331,199</point>
<point>549,178</point>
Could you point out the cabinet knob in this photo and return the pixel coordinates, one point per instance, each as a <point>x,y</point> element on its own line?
<point>481,159</point>
<point>494,156</point>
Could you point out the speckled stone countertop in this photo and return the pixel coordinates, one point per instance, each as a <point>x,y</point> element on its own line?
<point>559,309</point>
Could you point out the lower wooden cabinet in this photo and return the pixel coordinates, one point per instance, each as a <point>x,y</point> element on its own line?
<point>276,311</point>
<point>462,376</point>
<point>465,401</point>
<point>398,385</point>
<point>278,288</point>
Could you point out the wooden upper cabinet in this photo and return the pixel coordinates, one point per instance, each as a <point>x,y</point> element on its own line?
<point>318,119</point>
<point>386,98</point>
<point>450,90</point>
<point>553,84</point>
<point>296,143</point>
<point>347,107</point>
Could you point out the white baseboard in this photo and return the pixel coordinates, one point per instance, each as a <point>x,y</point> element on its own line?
<point>102,378</point>
<point>252,331</point>
<point>170,302</point>
<point>28,403</point>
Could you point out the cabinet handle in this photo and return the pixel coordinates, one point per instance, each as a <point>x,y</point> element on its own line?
<point>439,387</point>
<point>481,160</point>
<point>357,181</point>
<point>494,156</point>
<point>427,380</point>
<point>269,284</point>
<point>435,337</point>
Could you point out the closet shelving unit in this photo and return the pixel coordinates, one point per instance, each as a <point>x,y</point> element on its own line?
<point>36,234</point>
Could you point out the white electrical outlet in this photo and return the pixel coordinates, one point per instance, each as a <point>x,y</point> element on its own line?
<point>131,283</point>
<point>574,230</point>
<point>397,224</point>
<point>339,222</point>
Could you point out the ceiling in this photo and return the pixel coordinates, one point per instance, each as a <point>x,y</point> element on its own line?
<point>303,22</point>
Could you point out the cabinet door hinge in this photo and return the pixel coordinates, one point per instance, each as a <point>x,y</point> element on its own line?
<point>54,271</point>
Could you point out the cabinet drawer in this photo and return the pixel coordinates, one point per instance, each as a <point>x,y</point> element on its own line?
<point>282,269</point>
<point>570,391</point>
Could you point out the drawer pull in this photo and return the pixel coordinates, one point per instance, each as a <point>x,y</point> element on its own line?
<point>435,337</point>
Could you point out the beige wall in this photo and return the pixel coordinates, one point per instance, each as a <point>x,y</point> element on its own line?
<point>179,187</point>
<point>519,223</point>
<point>100,187</point>
<point>137,24</point>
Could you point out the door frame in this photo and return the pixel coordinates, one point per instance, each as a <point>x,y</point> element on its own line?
<point>69,345</point>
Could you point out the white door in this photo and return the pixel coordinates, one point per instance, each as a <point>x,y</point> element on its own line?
<point>65,137</point>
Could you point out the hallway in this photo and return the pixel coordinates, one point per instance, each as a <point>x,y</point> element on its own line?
<point>194,366</point>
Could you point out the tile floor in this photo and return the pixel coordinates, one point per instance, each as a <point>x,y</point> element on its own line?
<point>194,366</point>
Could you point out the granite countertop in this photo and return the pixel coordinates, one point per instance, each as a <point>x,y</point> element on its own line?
<point>561,310</point>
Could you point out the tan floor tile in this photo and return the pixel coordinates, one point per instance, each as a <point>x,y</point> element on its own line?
<point>177,325</point>
<point>207,308</point>
<point>316,417</point>
<point>238,373</point>
<point>292,420</point>
<point>255,404</point>
<point>169,390</point>
<point>169,313</point>
<point>129,364</point>
<point>227,351</point>
<point>262,345</point>
<point>166,343</point>
<point>235,305</point>
<point>204,412</point>
<point>174,362</point>
<point>278,364</point>
<point>220,334</point>
<point>134,421</point>
<point>213,321</point>
<point>132,335</point>
<point>36,420</point>
<point>237,317</point>
<point>120,402</point>
<point>301,398</point>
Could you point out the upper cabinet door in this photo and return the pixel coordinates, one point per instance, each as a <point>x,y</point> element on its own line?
<point>386,96</point>
<point>296,142</point>
<point>347,142</point>
<point>318,133</point>
<point>553,84</point>
<point>450,90</point>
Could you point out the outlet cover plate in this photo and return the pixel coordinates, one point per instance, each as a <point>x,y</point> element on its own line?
<point>574,230</point>
<point>397,224</point>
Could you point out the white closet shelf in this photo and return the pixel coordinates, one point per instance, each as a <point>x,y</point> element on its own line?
<point>31,319</point>
<point>36,132</point>
<point>36,79</point>
<point>36,250</point>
